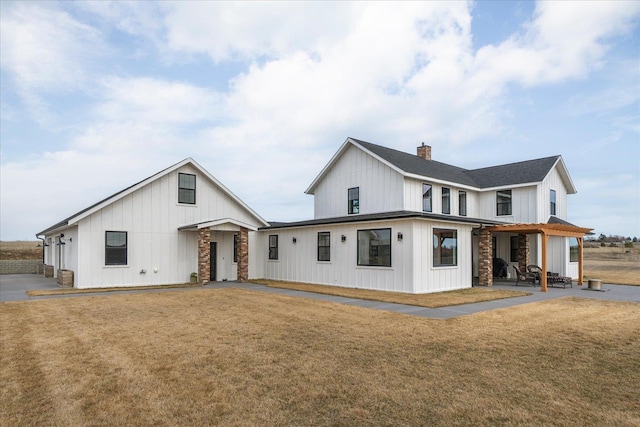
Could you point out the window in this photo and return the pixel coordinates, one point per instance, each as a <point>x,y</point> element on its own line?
<point>236,241</point>
<point>186,188</point>
<point>514,248</point>
<point>354,200</point>
<point>552,197</point>
<point>503,202</point>
<point>426,197</point>
<point>445,247</point>
<point>273,246</point>
<point>324,246</point>
<point>115,248</point>
<point>462,203</point>
<point>446,200</point>
<point>573,249</point>
<point>374,247</point>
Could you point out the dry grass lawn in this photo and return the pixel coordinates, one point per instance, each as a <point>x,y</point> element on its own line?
<point>434,300</point>
<point>236,357</point>
<point>18,250</point>
<point>613,265</point>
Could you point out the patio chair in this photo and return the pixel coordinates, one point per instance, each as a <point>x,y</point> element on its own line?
<point>525,278</point>
<point>554,279</point>
<point>535,270</point>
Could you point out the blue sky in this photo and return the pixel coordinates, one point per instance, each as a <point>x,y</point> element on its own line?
<point>98,95</point>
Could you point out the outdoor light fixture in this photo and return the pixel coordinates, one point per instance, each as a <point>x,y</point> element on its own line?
<point>344,238</point>
<point>400,236</point>
<point>61,239</point>
<point>294,240</point>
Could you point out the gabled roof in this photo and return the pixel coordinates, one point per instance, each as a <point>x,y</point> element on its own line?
<point>122,193</point>
<point>526,172</point>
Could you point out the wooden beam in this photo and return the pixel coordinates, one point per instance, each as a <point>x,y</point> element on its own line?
<point>543,273</point>
<point>580,261</point>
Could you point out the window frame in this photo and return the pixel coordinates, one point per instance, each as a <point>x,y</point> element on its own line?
<point>273,247</point>
<point>108,250</point>
<point>437,258</point>
<point>371,253</point>
<point>462,203</point>
<point>513,248</point>
<point>353,207</point>
<point>552,202</point>
<point>504,199</point>
<point>322,235</point>
<point>446,200</point>
<point>182,189</point>
<point>574,250</point>
<point>427,195</point>
<point>236,245</point>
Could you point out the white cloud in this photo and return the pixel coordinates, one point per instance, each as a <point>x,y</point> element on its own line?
<point>45,50</point>
<point>149,100</point>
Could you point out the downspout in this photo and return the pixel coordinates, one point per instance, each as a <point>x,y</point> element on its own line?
<point>43,246</point>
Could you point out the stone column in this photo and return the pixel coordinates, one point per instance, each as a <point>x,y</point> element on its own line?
<point>204,255</point>
<point>243,255</point>
<point>485,261</point>
<point>524,256</point>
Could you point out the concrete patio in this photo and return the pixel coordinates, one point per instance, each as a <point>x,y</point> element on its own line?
<point>13,287</point>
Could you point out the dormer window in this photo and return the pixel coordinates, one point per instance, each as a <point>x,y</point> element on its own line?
<point>503,202</point>
<point>186,188</point>
<point>354,200</point>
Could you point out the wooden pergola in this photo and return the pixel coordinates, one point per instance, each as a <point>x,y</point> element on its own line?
<point>547,230</point>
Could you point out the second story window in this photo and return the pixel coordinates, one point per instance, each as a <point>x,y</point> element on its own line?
<point>187,188</point>
<point>503,202</point>
<point>552,197</point>
<point>462,203</point>
<point>446,200</point>
<point>354,200</point>
<point>426,197</point>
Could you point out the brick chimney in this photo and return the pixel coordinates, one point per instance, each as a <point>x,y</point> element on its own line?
<point>424,151</point>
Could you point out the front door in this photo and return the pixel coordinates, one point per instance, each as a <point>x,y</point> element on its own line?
<point>213,264</point>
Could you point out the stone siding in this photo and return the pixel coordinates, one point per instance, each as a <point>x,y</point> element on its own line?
<point>65,278</point>
<point>28,266</point>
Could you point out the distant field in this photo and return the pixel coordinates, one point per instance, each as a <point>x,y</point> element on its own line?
<point>612,265</point>
<point>20,250</point>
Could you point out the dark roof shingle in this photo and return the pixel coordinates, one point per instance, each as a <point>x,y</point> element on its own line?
<point>509,174</point>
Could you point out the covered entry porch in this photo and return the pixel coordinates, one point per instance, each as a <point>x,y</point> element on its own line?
<point>210,234</point>
<point>545,230</point>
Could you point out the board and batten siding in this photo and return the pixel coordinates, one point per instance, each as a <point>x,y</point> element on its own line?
<point>298,262</point>
<point>381,187</point>
<point>428,278</point>
<point>413,197</point>
<point>552,181</point>
<point>151,216</point>
<point>523,205</point>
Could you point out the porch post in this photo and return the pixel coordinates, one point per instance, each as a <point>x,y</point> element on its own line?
<point>243,255</point>
<point>485,261</point>
<point>204,255</point>
<point>543,273</point>
<point>523,252</point>
<point>580,260</point>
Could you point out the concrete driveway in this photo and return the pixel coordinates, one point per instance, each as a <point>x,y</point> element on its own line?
<point>13,287</point>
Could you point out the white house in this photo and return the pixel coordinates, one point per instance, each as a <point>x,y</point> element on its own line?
<point>389,220</point>
<point>159,231</point>
<point>384,220</point>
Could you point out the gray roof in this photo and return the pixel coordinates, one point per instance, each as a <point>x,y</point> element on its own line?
<point>495,176</point>
<point>380,217</point>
